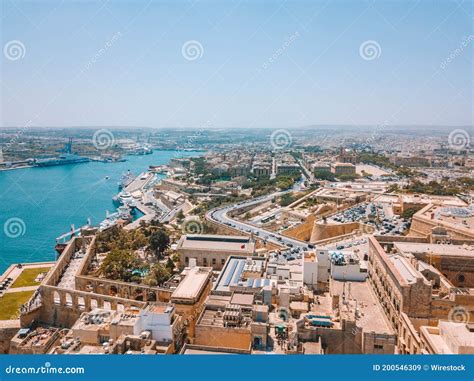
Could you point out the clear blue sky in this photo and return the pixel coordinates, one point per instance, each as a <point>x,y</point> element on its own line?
<point>263,63</point>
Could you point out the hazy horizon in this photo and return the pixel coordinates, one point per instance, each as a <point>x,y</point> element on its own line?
<point>407,126</point>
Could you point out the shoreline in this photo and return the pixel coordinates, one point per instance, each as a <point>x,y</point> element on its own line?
<point>104,162</point>
<point>54,224</point>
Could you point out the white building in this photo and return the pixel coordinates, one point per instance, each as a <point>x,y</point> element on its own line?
<point>158,319</point>
<point>310,270</point>
<point>346,266</point>
<point>324,266</point>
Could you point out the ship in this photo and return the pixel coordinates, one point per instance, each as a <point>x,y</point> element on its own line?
<point>124,198</point>
<point>66,158</point>
<point>126,179</point>
<point>123,213</point>
<point>138,149</point>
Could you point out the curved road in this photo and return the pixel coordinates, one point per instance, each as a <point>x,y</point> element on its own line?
<point>220,216</point>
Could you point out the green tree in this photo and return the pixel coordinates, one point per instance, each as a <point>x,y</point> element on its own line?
<point>408,213</point>
<point>180,215</point>
<point>286,199</point>
<point>159,242</point>
<point>392,188</point>
<point>348,176</point>
<point>158,275</point>
<point>324,175</point>
<point>119,264</point>
<point>170,265</point>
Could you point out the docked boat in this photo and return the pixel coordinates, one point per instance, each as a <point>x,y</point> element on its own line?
<point>65,158</point>
<point>140,149</point>
<point>123,213</point>
<point>124,198</point>
<point>61,160</point>
<point>126,179</point>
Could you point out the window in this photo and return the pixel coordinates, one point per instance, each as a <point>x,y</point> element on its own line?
<point>378,346</point>
<point>223,262</point>
<point>69,301</point>
<point>204,261</point>
<point>214,261</point>
<point>186,259</point>
<point>461,278</point>
<point>56,298</point>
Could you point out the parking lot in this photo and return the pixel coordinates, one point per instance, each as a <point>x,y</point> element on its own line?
<point>377,215</point>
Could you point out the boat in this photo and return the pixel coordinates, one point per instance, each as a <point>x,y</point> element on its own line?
<point>61,160</point>
<point>124,198</point>
<point>123,213</point>
<point>63,240</point>
<point>138,149</point>
<point>66,158</point>
<point>107,177</point>
<point>126,179</point>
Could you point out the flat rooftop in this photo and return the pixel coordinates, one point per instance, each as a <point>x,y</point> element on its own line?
<point>190,351</point>
<point>217,318</point>
<point>242,299</point>
<point>39,337</point>
<point>436,249</point>
<point>449,336</point>
<point>160,308</point>
<point>193,283</point>
<point>460,217</point>
<point>101,318</point>
<point>239,244</point>
<point>428,199</point>
<point>372,317</point>
<point>193,349</point>
<point>234,269</point>
<point>457,334</point>
<point>404,268</point>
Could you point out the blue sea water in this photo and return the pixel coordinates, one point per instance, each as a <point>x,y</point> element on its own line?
<point>42,203</point>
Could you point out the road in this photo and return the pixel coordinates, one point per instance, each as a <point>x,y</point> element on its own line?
<point>220,216</point>
<point>306,172</point>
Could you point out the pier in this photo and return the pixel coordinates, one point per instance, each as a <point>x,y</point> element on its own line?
<point>148,212</point>
<point>140,182</point>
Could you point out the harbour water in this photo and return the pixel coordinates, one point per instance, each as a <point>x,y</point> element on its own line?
<point>39,204</point>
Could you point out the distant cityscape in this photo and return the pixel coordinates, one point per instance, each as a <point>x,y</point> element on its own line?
<point>315,240</point>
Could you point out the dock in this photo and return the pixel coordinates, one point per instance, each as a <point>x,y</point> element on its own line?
<point>140,182</point>
<point>148,212</point>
